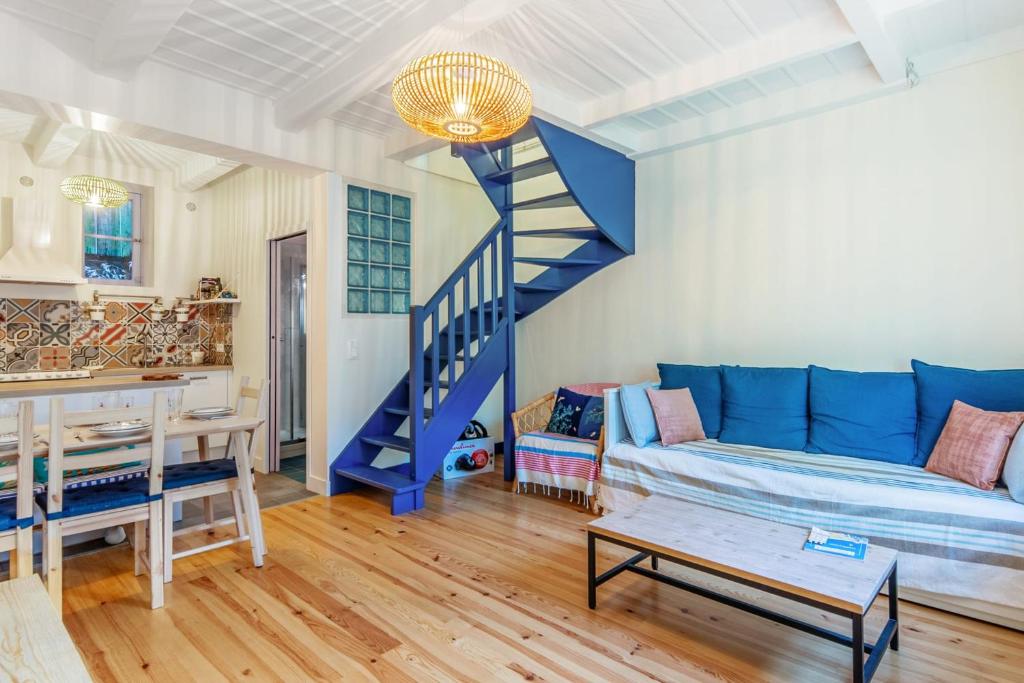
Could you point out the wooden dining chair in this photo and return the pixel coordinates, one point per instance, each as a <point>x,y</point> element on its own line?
<point>16,507</point>
<point>135,501</point>
<point>211,477</point>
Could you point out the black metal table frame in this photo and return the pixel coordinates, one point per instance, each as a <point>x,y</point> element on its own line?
<point>863,670</point>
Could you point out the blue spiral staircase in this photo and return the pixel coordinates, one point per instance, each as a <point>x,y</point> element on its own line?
<point>462,340</point>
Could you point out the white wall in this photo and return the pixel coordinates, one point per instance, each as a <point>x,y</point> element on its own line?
<point>252,206</point>
<point>858,238</point>
<point>179,239</point>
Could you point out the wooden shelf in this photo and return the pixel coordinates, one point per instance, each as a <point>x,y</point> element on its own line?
<point>203,302</point>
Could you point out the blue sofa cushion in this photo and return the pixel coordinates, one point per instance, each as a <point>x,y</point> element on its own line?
<point>591,419</point>
<point>705,385</point>
<point>638,413</point>
<point>871,415</point>
<point>192,473</point>
<point>938,387</point>
<point>764,407</point>
<point>566,413</point>
<point>91,499</point>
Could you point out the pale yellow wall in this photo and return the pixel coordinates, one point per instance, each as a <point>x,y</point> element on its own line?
<point>858,238</point>
<point>179,241</point>
<point>255,205</point>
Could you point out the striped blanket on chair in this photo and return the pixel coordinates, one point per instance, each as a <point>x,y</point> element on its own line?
<point>555,461</point>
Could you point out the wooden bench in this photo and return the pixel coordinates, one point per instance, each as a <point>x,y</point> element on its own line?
<point>34,645</point>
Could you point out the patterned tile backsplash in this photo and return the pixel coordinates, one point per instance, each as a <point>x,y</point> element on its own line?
<point>58,335</point>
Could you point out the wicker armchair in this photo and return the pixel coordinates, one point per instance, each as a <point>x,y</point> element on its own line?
<point>534,417</point>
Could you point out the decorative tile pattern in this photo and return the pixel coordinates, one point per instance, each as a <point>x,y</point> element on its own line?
<point>23,334</point>
<point>379,231</point>
<point>22,310</point>
<point>55,358</point>
<point>52,334</point>
<point>58,335</point>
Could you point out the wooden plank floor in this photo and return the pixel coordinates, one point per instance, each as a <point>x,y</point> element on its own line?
<point>481,586</point>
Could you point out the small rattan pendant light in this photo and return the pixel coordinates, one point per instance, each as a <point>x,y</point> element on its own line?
<point>94,191</point>
<point>462,97</point>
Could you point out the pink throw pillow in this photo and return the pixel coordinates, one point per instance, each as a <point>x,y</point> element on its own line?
<point>973,445</point>
<point>676,415</point>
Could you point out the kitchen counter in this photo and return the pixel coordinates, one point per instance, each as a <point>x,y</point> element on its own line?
<point>169,369</point>
<point>55,387</point>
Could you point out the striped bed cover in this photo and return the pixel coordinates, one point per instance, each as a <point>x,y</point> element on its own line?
<point>958,543</point>
<point>554,461</point>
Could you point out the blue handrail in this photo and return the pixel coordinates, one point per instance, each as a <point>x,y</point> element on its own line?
<point>450,313</point>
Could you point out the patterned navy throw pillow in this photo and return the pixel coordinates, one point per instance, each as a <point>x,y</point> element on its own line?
<point>568,410</point>
<point>592,419</point>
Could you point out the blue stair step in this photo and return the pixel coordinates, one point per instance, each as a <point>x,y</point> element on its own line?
<point>529,287</point>
<point>404,412</point>
<point>582,233</point>
<point>381,479</point>
<point>551,201</point>
<point>398,443</point>
<point>530,169</point>
<point>527,132</point>
<point>557,262</point>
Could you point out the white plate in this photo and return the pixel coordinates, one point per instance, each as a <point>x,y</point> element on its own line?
<point>120,428</point>
<point>11,438</point>
<point>218,416</point>
<point>208,412</point>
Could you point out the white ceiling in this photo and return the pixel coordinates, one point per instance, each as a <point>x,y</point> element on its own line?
<point>643,75</point>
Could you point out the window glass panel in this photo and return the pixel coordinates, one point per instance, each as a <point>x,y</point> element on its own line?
<point>399,302</point>
<point>357,275</point>
<point>380,277</point>
<point>110,241</point>
<point>380,252</point>
<point>358,301</point>
<point>401,207</point>
<point>380,302</point>
<point>357,249</point>
<point>401,231</point>
<point>357,223</point>
<point>400,254</point>
<point>358,198</point>
<point>380,202</point>
<point>380,227</point>
<point>400,279</point>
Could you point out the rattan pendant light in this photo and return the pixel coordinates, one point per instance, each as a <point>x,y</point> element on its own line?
<point>462,97</point>
<point>94,191</point>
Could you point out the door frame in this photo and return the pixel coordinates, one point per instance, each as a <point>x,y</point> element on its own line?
<point>272,463</point>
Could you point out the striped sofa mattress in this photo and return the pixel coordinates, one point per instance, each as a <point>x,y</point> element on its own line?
<point>956,542</point>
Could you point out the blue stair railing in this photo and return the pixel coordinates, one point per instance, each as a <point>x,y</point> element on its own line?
<point>462,340</point>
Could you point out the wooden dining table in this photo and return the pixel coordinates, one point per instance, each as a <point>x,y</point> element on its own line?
<point>237,428</point>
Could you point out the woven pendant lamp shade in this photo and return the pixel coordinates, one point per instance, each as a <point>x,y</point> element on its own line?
<point>462,97</point>
<point>94,191</point>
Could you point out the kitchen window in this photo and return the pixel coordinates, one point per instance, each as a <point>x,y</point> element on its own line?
<point>112,242</point>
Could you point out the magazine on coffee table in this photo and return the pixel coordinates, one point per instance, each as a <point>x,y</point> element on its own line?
<point>836,543</point>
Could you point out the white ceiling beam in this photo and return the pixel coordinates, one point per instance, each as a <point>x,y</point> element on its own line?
<point>787,105</point>
<point>378,57</point>
<point>131,31</point>
<point>888,60</point>
<point>812,36</point>
<point>50,143</point>
<point>199,170</point>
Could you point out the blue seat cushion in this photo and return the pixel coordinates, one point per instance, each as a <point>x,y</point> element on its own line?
<point>705,385</point>
<point>8,512</point>
<point>871,415</point>
<point>938,387</point>
<point>764,407</point>
<point>192,473</point>
<point>91,499</point>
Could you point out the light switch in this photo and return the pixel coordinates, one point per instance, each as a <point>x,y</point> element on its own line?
<point>353,349</point>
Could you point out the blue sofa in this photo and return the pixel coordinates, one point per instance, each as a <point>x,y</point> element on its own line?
<point>844,451</point>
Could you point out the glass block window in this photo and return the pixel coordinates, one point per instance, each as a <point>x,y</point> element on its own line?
<point>379,275</point>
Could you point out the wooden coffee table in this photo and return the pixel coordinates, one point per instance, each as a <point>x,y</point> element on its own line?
<point>757,553</point>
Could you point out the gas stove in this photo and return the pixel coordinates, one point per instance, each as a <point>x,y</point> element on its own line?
<point>37,375</point>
